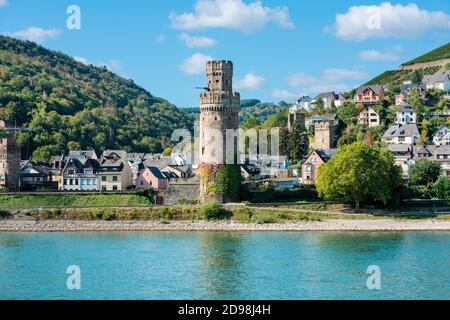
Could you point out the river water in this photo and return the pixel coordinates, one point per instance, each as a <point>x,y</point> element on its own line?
<point>222,265</point>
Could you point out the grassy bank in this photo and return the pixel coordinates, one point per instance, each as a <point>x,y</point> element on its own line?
<point>194,213</point>
<point>75,200</point>
<point>165,214</point>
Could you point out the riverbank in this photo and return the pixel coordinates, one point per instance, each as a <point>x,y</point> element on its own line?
<point>185,226</point>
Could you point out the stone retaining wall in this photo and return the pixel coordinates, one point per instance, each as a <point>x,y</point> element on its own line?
<point>180,191</point>
<point>424,65</point>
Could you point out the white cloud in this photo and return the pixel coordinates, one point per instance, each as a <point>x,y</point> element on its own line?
<point>232,14</point>
<point>35,34</point>
<point>81,59</point>
<point>196,64</point>
<point>387,20</point>
<point>330,80</point>
<point>197,42</point>
<point>375,55</point>
<point>3,3</point>
<point>250,82</point>
<point>284,95</point>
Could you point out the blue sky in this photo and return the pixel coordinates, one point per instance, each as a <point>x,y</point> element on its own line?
<point>281,48</point>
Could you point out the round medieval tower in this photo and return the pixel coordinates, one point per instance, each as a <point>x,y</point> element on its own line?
<point>219,124</point>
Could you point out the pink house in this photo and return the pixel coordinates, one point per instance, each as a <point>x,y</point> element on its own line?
<point>152,177</point>
<point>311,165</point>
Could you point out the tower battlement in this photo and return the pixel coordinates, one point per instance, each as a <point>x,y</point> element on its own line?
<point>226,100</point>
<point>219,65</point>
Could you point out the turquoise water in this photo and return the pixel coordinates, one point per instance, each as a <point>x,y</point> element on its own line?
<point>225,265</point>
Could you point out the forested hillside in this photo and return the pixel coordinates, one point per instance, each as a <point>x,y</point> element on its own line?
<point>69,105</point>
<point>261,111</point>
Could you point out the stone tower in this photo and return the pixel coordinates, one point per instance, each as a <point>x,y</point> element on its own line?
<point>296,117</point>
<point>219,117</point>
<point>324,135</point>
<point>9,157</point>
<point>219,110</point>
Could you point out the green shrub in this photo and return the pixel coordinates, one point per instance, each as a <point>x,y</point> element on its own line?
<point>107,216</point>
<point>418,192</point>
<point>147,193</point>
<point>265,218</point>
<point>308,217</point>
<point>167,213</point>
<point>442,188</point>
<point>188,201</point>
<point>242,215</point>
<point>5,214</point>
<point>281,215</point>
<point>213,211</point>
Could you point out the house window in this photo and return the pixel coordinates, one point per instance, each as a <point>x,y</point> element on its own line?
<point>142,182</point>
<point>65,181</point>
<point>115,179</point>
<point>114,188</point>
<point>76,182</point>
<point>104,178</point>
<point>71,172</point>
<point>71,182</point>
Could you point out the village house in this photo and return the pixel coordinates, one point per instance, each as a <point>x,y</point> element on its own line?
<point>401,134</point>
<point>312,163</point>
<point>80,171</point>
<point>115,173</point>
<point>304,103</point>
<point>136,163</point>
<point>442,155</point>
<point>369,118</point>
<point>285,183</point>
<point>57,164</point>
<point>407,89</point>
<point>34,177</point>
<point>403,154</point>
<point>250,171</point>
<point>152,177</point>
<point>157,160</point>
<point>421,152</point>
<point>269,166</point>
<point>406,115</point>
<point>329,98</point>
<point>369,94</point>
<point>440,80</point>
<point>442,136</point>
<point>180,172</point>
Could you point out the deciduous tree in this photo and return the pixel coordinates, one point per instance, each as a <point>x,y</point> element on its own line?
<point>360,173</point>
